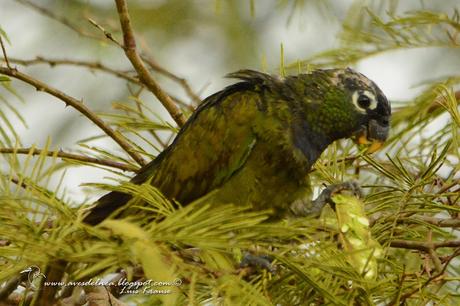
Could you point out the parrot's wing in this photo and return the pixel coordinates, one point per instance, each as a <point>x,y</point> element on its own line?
<point>213,145</point>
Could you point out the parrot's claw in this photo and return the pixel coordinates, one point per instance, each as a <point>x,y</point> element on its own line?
<point>326,195</point>
<point>255,261</point>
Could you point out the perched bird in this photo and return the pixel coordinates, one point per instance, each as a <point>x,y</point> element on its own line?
<point>254,142</point>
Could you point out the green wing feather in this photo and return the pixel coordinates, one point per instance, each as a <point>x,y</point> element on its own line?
<point>213,145</point>
<point>208,152</point>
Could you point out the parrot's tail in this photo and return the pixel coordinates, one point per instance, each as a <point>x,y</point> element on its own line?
<point>106,206</point>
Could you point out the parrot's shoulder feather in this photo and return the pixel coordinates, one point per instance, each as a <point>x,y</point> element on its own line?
<point>253,77</point>
<point>214,145</point>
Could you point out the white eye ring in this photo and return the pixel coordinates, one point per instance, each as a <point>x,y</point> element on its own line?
<point>372,100</point>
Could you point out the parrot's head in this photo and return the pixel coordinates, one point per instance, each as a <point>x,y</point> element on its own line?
<point>349,105</point>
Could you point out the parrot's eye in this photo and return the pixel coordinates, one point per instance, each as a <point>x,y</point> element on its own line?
<point>364,100</point>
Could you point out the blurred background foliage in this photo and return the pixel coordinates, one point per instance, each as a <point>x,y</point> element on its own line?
<point>409,48</point>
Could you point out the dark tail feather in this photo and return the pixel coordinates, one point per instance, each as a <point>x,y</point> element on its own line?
<point>106,206</point>
<point>114,200</point>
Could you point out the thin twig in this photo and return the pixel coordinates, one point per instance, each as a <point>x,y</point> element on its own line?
<point>435,259</point>
<point>90,65</point>
<point>29,185</point>
<point>181,103</point>
<point>4,53</point>
<point>69,24</point>
<point>71,156</point>
<point>432,278</point>
<point>79,106</point>
<point>439,222</point>
<point>140,112</point>
<point>432,252</point>
<point>61,19</point>
<point>450,185</point>
<point>129,46</point>
<point>424,246</point>
<point>107,34</point>
<point>348,159</point>
<point>154,66</point>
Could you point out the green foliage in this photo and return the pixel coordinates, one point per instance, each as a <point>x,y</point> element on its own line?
<point>365,34</point>
<point>411,187</point>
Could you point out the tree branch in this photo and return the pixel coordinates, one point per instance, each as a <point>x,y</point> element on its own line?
<point>70,156</point>
<point>129,46</point>
<point>79,106</point>
<point>440,222</point>
<point>70,25</point>
<point>90,65</point>
<point>153,65</point>
<point>424,246</point>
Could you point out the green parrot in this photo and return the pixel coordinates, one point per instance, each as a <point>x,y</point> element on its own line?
<point>254,142</point>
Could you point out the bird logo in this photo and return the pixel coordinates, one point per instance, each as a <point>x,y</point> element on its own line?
<point>34,275</point>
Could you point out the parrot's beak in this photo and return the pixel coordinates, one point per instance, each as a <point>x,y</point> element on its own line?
<point>373,135</point>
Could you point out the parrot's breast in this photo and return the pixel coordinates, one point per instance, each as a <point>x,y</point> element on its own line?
<point>270,179</point>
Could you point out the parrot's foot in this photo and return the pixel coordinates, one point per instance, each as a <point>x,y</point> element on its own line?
<point>258,261</point>
<point>326,195</point>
